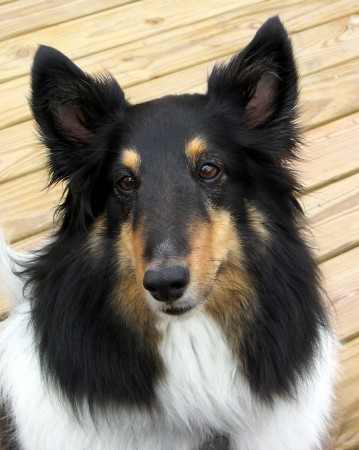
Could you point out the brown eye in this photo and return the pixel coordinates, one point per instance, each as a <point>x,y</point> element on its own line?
<point>208,172</point>
<point>127,183</point>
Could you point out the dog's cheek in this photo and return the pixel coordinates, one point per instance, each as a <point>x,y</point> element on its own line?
<point>129,296</point>
<point>131,249</point>
<point>218,267</point>
<point>213,243</point>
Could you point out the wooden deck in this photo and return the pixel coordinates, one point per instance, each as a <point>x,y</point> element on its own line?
<point>155,47</point>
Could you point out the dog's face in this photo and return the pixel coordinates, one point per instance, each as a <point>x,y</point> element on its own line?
<point>179,206</point>
<point>172,187</point>
<point>170,182</point>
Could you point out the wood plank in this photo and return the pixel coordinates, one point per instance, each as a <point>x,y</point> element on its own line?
<point>26,207</point>
<point>20,151</point>
<point>110,28</point>
<point>328,44</point>
<point>212,38</point>
<point>341,275</point>
<point>334,92</point>
<point>345,432</point>
<point>23,16</point>
<point>316,48</point>
<point>330,152</point>
<point>14,107</point>
<point>333,213</point>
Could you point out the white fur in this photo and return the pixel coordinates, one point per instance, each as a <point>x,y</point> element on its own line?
<point>203,390</point>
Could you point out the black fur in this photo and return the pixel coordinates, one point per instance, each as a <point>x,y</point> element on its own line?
<point>248,117</point>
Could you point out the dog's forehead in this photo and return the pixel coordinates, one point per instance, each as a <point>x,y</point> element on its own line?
<point>160,130</point>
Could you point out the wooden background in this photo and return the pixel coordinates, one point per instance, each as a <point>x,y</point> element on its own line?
<point>156,47</point>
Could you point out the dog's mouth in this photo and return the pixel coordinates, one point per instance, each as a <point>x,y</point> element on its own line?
<point>176,310</point>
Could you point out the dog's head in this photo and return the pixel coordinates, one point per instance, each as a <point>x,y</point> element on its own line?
<point>174,207</point>
<point>178,184</point>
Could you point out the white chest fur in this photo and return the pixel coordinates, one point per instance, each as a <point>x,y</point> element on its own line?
<point>203,390</point>
<point>203,387</point>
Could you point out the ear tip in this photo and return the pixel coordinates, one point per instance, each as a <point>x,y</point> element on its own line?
<point>273,32</point>
<point>274,25</point>
<point>50,64</point>
<point>46,53</point>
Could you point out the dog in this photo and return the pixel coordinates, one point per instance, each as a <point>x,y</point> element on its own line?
<point>178,303</point>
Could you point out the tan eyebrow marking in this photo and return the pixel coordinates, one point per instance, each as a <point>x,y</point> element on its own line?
<point>195,148</point>
<point>131,160</point>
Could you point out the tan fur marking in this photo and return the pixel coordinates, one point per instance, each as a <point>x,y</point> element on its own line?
<point>195,148</point>
<point>130,300</point>
<point>218,271</point>
<point>257,221</point>
<point>96,236</point>
<point>131,160</point>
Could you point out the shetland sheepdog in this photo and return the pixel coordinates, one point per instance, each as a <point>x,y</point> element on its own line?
<point>177,305</point>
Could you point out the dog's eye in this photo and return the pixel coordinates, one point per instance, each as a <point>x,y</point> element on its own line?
<point>127,183</point>
<point>208,172</point>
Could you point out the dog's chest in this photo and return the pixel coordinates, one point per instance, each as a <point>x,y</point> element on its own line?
<point>201,392</point>
<point>203,385</point>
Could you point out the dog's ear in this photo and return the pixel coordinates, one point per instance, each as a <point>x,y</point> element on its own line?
<point>70,108</point>
<point>261,81</point>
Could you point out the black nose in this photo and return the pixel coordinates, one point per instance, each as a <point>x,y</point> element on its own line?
<point>166,283</point>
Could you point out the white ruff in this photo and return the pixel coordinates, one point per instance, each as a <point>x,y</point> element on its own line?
<point>202,391</point>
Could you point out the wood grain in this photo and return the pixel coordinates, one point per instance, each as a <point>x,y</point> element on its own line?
<point>327,45</point>
<point>26,208</point>
<point>22,16</point>
<point>207,39</point>
<point>324,157</point>
<point>341,275</point>
<point>20,151</point>
<point>330,93</point>
<point>346,427</point>
<point>333,213</point>
<point>107,29</point>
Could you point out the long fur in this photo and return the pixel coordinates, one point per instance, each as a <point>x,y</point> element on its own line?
<point>177,304</point>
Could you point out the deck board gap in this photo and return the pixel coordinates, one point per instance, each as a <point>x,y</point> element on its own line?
<point>330,181</point>
<point>337,252</point>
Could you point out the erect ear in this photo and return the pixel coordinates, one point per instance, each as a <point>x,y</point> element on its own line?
<point>261,80</point>
<point>70,108</point>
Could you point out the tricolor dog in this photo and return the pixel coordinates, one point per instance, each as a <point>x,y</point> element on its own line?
<point>177,301</point>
